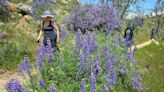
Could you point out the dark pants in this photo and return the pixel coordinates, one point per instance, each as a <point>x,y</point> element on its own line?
<point>53,43</point>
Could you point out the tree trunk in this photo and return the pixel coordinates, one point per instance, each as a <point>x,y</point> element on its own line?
<point>125,9</point>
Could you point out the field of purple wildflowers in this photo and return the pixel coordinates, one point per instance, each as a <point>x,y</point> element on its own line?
<point>93,57</point>
<point>93,62</point>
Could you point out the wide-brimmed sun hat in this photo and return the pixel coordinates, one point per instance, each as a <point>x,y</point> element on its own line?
<point>47,13</point>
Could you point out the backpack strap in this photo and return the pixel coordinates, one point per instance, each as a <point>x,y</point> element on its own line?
<point>51,23</point>
<point>43,23</point>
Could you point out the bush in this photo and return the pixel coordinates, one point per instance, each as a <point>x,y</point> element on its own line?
<point>89,17</point>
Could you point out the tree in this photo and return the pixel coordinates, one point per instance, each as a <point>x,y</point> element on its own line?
<point>159,16</point>
<point>122,5</point>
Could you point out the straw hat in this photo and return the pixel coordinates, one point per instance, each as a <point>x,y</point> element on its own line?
<point>47,13</point>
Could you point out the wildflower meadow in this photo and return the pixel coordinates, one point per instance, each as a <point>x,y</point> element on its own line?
<point>94,60</point>
<point>92,55</point>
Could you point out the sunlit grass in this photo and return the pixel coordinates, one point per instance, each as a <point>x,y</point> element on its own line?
<point>152,66</point>
<point>15,47</point>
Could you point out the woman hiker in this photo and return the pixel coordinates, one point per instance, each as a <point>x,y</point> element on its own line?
<point>50,30</point>
<point>129,36</point>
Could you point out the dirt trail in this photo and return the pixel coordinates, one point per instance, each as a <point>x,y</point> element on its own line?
<point>142,45</point>
<point>7,76</point>
<point>4,78</point>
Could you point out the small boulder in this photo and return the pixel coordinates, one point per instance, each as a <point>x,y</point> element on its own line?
<point>3,35</point>
<point>28,18</point>
<point>25,9</point>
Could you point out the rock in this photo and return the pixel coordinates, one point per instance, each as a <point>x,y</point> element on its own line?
<point>25,9</point>
<point>8,5</point>
<point>27,18</point>
<point>12,7</point>
<point>3,35</point>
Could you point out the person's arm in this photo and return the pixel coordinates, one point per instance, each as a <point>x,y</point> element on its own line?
<point>40,33</point>
<point>57,31</point>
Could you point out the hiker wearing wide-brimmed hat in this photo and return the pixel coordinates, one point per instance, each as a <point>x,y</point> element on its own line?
<point>49,28</point>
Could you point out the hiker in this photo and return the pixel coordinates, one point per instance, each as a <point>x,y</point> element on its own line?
<point>128,35</point>
<point>50,30</point>
<point>152,34</point>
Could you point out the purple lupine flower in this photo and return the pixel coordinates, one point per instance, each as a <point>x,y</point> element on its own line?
<point>26,65</point>
<point>20,70</point>
<point>108,28</point>
<point>49,46</point>
<point>86,48</point>
<point>79,39</point>
<point>40,58</point>
<point>72,29</point>
<point>98,65</point>
<point>42,83</point>
<point>8,87</point>
<point>91,16</point>
<point>136,83</point>
<point>52,89</point>
<point>130,56</point>
<point>83,84</point>
<point>82,63</point>
<point>105,89</point>
<point>123,41</point>
<point>113,59</point>
<point>93,45</point>
<point>92,83</point>
<point>106,52</point>
<point>86,44</point>
<point>108,66</point>
<point>45,52</point>
<point>90,62</point>
<point>89,66</point>
<point>112,79</point>
<point>128,44</point>
<point>4,2</point>
<point>139,61</point>
<point>40,3</point>
<point>63,34</point>
<point>76,51</point>
<point>123,70</point>
<point>116,44</point>
<point>14,86</point>
<point>49,51</point>
<point>88,37</point>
